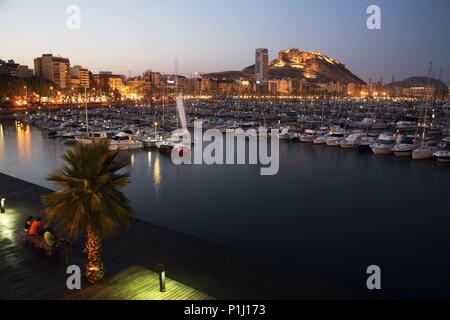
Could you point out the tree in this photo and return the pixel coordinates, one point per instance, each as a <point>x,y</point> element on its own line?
<point>12,86</point>
<point>89,200</point>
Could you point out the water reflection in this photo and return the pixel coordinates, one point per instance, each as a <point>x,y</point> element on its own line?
<point>157,176</point>
<point>2,143</point>
<point>23,142</point>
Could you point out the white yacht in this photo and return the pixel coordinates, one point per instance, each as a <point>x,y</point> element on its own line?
<point>321,139</point>
<point>150,142</point>
<point>125,140</point>
<point>308,136</point>
<point>384,144</point>
<point>173,143</point>
<point>443,155</point>
<point>352,141</point>
<point>283,134</point>
<point>335,138</point>
<point>87,139</point>
<point>405,147</point>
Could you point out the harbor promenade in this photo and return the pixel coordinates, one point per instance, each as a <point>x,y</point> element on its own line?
<point>197,269</point>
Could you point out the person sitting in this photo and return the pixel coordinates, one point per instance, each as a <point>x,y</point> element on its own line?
<point>49,238</point>
<point>35,227</point>
<point>28,224</point>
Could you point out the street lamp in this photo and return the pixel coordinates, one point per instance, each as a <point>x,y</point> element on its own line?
<point>26,91</point>
<point>156,123</point>
<point>51,88</point>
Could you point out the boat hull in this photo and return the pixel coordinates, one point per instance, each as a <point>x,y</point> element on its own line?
<point>403,154</point>
<point>307,139</point>
<point>422,155</point>
<point>333,143</point>
<point>443,156</point>
<point>381,151</point>
<point>319,141</point>
<point>349,146</point>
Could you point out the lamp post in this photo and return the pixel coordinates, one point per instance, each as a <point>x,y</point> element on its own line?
<point>2,205</point>
<point>51,88</point>
<point>156,123</point>
<point>86,106</point>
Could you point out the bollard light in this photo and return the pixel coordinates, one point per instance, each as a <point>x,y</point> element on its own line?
<point>2,205</point>
<point>162,276</point>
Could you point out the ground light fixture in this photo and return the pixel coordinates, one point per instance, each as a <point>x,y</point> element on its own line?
<point>161,269</point>
<point>2,205</point>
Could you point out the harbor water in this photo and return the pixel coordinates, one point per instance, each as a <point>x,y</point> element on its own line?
<point>330,211</point>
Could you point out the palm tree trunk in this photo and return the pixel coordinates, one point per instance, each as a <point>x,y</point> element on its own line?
<point>94,267</point>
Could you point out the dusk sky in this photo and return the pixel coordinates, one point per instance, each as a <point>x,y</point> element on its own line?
<point>215,35</point>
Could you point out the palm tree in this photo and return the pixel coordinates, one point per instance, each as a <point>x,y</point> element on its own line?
<point>89,200</point>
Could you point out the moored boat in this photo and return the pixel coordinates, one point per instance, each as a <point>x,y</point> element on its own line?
<point>405,147</point>
<point>335,139</point>
<point>384,144</point>
<point>125,140</point>
<point>424,153</point>
<point>443,155</point>
<point>308,136</point>
<point>352,141</point>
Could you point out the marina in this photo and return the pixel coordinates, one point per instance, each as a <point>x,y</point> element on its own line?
<point>282,219</point>
<point>387,127</point>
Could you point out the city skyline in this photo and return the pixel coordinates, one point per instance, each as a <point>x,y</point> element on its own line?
<point>201,40</point>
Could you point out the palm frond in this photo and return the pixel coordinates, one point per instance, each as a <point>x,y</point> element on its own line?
<point>89,192</point>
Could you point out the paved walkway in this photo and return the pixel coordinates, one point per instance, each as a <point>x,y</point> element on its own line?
<point>197,269</point>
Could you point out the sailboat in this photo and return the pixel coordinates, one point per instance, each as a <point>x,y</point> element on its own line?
<point>424,152</point>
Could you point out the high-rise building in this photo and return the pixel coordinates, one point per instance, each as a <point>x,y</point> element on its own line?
<point>110,81</point>
<point>153,78</point>
<point>183,84</point>
<point>262,69</point>
<point>195,86</point>
<point>24,72</point>
<point>55,69</point>
<point>205,85</point>
<point>8,67</point>
<point>81,74</point>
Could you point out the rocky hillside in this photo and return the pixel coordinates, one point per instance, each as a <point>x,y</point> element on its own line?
<point>418,82</point>
<point>314,66</point>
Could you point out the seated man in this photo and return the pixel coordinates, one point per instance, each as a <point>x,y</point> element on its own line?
<point>35,227</point>
<point>49,238</point>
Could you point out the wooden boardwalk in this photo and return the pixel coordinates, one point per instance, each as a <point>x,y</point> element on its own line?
<point>197,269</point>
<point>137,283</point>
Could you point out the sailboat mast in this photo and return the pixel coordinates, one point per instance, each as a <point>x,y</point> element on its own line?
<point>86,108</point>
<point>426,105</point>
